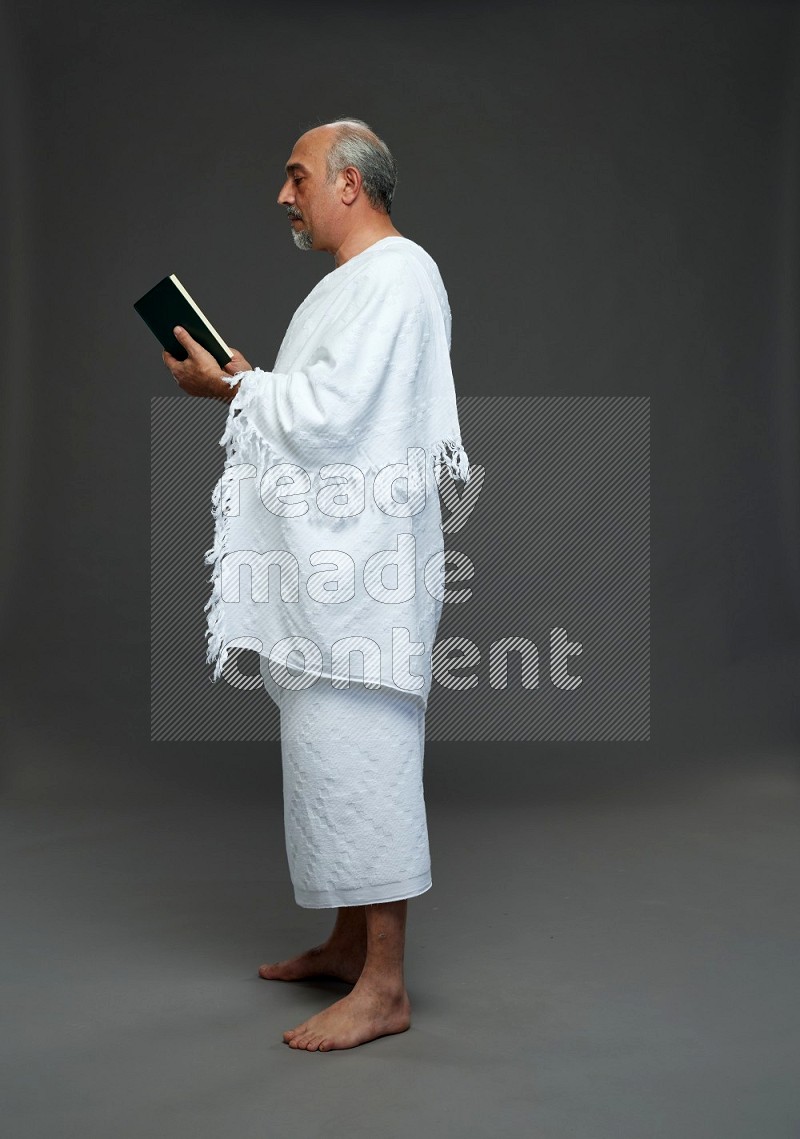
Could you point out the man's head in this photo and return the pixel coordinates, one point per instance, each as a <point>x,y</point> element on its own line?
<point>339,176</point>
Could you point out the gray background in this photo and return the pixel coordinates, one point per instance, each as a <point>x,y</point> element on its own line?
<point>610,191</point>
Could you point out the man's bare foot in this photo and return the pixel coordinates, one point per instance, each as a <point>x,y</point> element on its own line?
<point>364,1014</point>
<point>328,960</point>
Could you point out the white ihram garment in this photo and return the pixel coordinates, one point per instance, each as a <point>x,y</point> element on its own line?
<point>353,801</point>
<point>332,463</point>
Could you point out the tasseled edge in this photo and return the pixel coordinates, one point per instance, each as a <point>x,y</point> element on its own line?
<point>216,651</point>
<point>239,438</point>
<point>451,455</point>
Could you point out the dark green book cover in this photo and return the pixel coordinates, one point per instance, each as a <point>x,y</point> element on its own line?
<point>168,304</point>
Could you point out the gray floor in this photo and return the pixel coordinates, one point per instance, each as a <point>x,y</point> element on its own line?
<point>609,949</point>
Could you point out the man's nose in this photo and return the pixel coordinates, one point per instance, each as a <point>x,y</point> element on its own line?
<point>285,197</point>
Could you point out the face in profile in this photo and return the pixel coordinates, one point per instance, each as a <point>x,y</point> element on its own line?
<point>306,194</point>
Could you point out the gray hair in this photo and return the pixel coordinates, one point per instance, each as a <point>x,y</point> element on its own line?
<point>356,144</point>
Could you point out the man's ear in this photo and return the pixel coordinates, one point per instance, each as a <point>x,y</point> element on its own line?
<point>352,184</point>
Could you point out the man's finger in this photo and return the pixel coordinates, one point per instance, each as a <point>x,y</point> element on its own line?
<point>184,339</point>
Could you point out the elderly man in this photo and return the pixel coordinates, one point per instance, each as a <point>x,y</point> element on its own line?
<point>361,394</point>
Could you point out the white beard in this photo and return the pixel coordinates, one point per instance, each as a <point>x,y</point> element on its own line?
<point>303,238</point>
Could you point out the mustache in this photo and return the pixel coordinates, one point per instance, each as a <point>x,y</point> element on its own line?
<point>293,213</point>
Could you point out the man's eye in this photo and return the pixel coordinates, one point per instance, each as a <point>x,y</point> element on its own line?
<point>297,179</point>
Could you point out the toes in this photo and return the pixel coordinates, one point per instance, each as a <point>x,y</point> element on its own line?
<point>270,971</point>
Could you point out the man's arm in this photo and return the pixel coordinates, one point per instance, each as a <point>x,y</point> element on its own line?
<point>361,362</point>
<point>365,358</point>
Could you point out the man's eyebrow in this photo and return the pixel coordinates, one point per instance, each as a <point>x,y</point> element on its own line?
<point>296,166</point>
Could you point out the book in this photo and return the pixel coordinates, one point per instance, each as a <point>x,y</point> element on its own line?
<point>168,304</point>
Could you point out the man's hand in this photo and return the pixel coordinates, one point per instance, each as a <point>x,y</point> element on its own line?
<point>200,374</point>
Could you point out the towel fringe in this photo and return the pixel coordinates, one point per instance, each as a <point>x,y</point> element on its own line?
<point>451,455</point>
<point>240,439</point>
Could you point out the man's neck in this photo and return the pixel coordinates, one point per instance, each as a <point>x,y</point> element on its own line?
<point>359,240</point>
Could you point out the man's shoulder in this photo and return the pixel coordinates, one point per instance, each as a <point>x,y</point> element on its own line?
<point>404,263</point>
<point>403,249</point>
